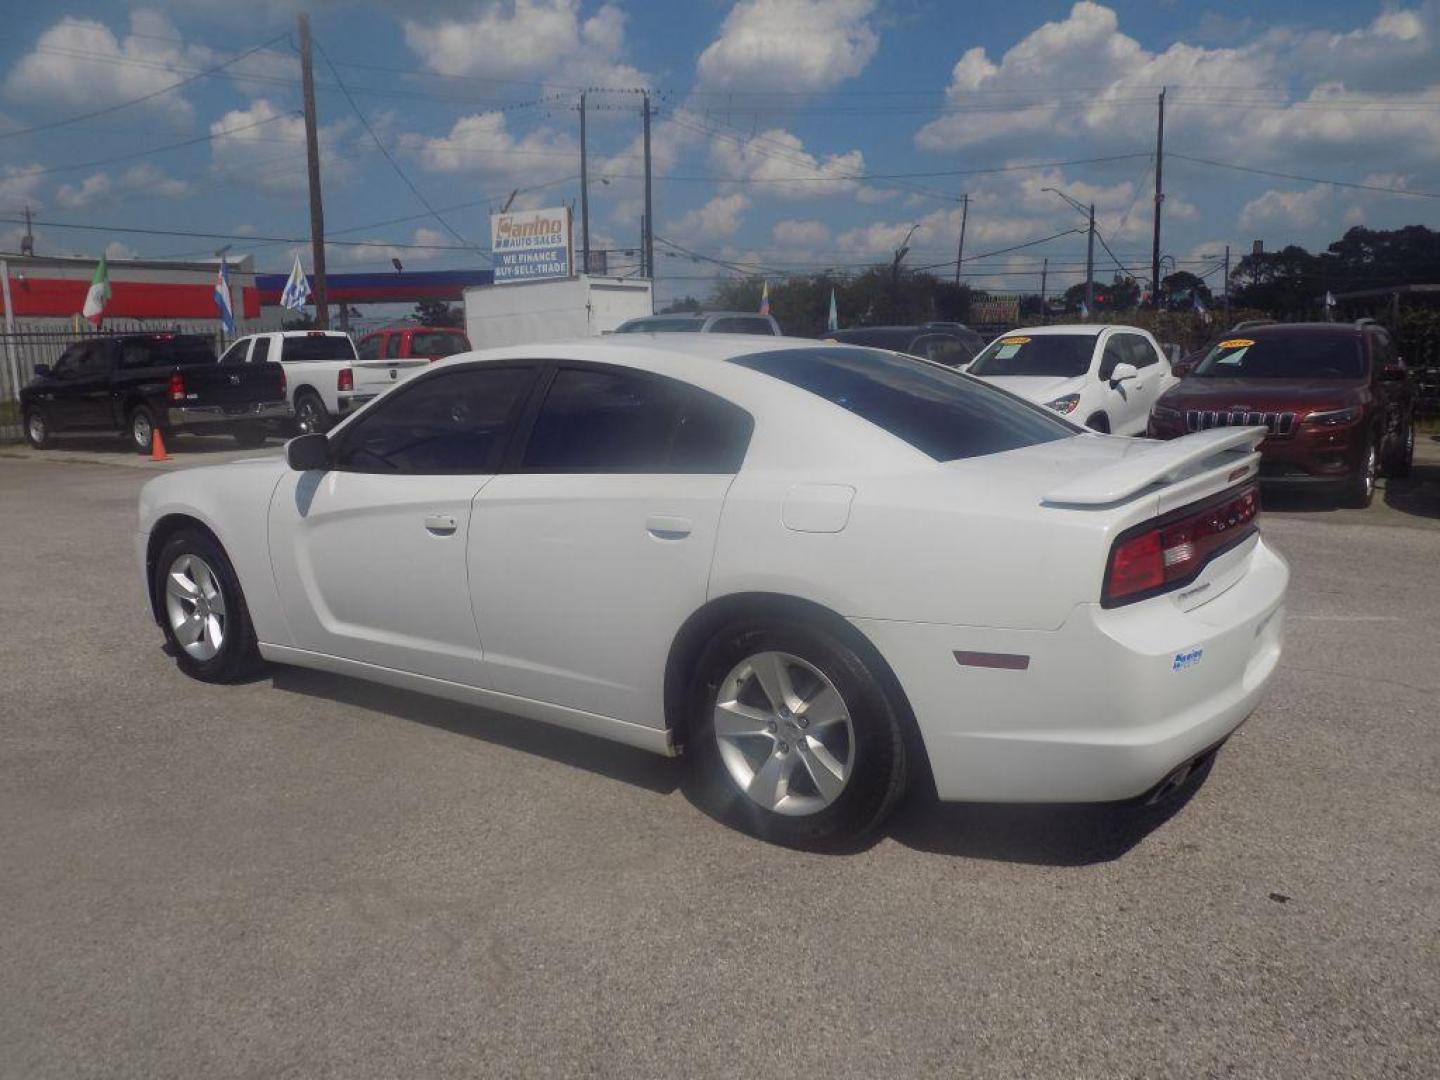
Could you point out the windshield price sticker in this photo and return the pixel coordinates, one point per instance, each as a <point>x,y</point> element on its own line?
<point>1236,343</point>
<point>1014,341</point>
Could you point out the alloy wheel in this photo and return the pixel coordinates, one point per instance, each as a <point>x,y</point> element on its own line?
<point>37,429</point>
<point>1372,467</point>
<point>142,431</point>
<point>307,416</point>
<point>195,606</point>
<point>785,734</point>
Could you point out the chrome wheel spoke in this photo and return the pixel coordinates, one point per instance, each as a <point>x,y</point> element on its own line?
<point>774,678</point>
<point>735,720</point>
<point>189,629</point>
<point>771,781</point>
<point>214,632</point>
<point>827,773</point>
<point>182,588</point>
<point>195,607</point>
<point>824,707</point>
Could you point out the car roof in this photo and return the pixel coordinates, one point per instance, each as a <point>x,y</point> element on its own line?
<point>1305,328</point>
<point>1090,329</point>
<point>302,333</point>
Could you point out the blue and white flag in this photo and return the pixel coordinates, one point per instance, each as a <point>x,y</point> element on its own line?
<point>1201,309</point>
<point>1084,311</point>
<point>222,296</point>
<point>296,293</point>
<point>833,323</point>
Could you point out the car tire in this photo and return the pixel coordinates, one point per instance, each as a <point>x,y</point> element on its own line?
<point>1360,488</point>
<point>250,436</point>
<point>37,430</point>
<point>140,429</point>
<point>824,775</point>
<point>202,610</point>
<point>1099,422</point>
<point>1403,456</point>
<point>311,416</point>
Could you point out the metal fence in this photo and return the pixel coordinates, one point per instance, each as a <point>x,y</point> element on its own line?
<point>28,345</point>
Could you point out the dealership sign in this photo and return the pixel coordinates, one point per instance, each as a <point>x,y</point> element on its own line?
<point>530,245</point>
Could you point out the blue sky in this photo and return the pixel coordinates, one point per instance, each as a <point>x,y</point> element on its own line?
<point>780,127</point>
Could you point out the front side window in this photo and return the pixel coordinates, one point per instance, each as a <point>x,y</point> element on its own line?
<point>235,354</point>
<point>1139,351</point>
<point>941,413</point>
<point>1048,355</point>
<point>451,422</point>
<point>1295,355</point>
<point>262,351</point>
<point>618,420</point>
<point>68,364</point>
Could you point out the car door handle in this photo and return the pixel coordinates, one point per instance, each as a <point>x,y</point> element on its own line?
<point>668,528</point>
<point>440,524</point>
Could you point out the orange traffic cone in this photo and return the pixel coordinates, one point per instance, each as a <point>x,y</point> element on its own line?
<point>157,447</point>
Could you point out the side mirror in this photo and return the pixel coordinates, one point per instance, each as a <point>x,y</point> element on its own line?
<point>306,453</point>
<point>1123,372</point>
<point>1180,369</point>
<point>42,371</point>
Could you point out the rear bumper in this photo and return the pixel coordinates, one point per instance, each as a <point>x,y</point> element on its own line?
<point>201,415</point>
<point>1110,702</point>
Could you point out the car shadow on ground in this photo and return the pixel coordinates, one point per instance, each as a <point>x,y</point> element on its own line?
<point>561,745</point>
<point>1417,494</point>
<point>175,445</point>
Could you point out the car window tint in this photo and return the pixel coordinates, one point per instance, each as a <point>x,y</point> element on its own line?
<point>435,343</point>
<point>317,346</point>
<point>370,347</point>
<point>739,324</point>
<point>66,366</point>
<point>262,351</point>
<point>632,421</point>
<point>1049,355</point>
<point>235,354</point>
<point>1115,353</point>
<point>1139,351</point>
<point>452,422</point>
<point>941,413</point>
<point>942,349</point>
<point>392,346</point>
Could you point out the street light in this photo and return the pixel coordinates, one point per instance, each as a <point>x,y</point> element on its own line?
<point>1089,245</point>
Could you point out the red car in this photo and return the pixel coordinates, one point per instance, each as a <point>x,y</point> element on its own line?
<point>1334,395</point>
<point>408,342</point>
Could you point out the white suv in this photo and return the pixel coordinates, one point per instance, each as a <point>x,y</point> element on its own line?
<point>1105,377</point>
<point>327,381</point>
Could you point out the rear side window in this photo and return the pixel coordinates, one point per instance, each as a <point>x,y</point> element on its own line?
<point>942,349</point>
<point>661,326</point>
<point>370,347</point>
<point>262,351</point>
<point>455,422</point>
<point>618,420</point>
<point>939,412</point>
<point>317,347</point>
<point>177,351</point>
<point>738,324</point>
<point>392,346</point>
<point>435,343</point>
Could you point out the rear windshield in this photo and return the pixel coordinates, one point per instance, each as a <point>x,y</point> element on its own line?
<point>1052,355</point>
<point>178,351</point>
<point>660,326</point>
<point>328,347</point>
<point>938,411</point>
<point>876,338</point>
<point>435,343</point>
<point>1285,356</point>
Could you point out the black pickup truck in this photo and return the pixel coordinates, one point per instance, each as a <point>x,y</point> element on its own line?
<point>136,383</point>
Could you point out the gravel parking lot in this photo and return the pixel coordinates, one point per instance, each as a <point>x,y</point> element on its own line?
<point>308,876</point>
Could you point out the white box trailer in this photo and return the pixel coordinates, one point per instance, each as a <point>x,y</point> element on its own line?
<point>522,314</point>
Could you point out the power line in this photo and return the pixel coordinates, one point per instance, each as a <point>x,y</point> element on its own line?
<point>1306,179</point>
<point>144,97</point>
<point>236,236</point>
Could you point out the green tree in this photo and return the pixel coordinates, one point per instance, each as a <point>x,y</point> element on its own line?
<point>439,313</point>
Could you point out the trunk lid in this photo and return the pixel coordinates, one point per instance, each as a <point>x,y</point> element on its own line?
<point>376,376</point>
<point>236,385</point>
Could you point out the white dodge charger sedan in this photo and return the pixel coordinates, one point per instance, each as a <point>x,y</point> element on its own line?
<point>821,571</point>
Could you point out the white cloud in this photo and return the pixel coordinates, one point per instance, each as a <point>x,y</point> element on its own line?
<point>74,196</point>
<point>154,181</point>
<point>784,169</point>
<point>790,45</point>
<point>118,250</point>
<point>81,63</point>
<point>799,234</point>
<point>1291,210</point>
<point>720,217</point>
<point>528,39</point>
<point>241,138</point>
<point>18,185</point>
<point>380,251</point>
<point>482,144</point>
<point>144,179</point>
<point>939,231</point>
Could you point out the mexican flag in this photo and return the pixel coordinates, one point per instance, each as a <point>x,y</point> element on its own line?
<point>99,294</point>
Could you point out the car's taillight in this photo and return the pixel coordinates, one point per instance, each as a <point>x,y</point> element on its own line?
<point>1171,551</point>
<point>345,380</point>
<point>177,386</point>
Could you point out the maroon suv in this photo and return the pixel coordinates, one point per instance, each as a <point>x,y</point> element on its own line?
<point>1334,396</point>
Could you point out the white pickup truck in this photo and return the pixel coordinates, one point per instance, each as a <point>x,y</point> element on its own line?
<point>327,381</point>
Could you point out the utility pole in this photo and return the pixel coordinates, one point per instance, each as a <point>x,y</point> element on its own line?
<point>1159,199</point>
<point>1090,264</point>
<point>1227,283</point>
<point>584,192</point>
<point>27,242</point>
<point>1044,274</point>
<point>960,252</point>
<point>649,253</point>
<point>312,157</point>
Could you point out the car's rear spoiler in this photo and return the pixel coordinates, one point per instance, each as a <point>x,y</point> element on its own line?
<point>1151,463</point>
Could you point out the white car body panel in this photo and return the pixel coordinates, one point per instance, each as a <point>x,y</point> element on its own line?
<point>1126,406</point>
<point>557,596</point>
